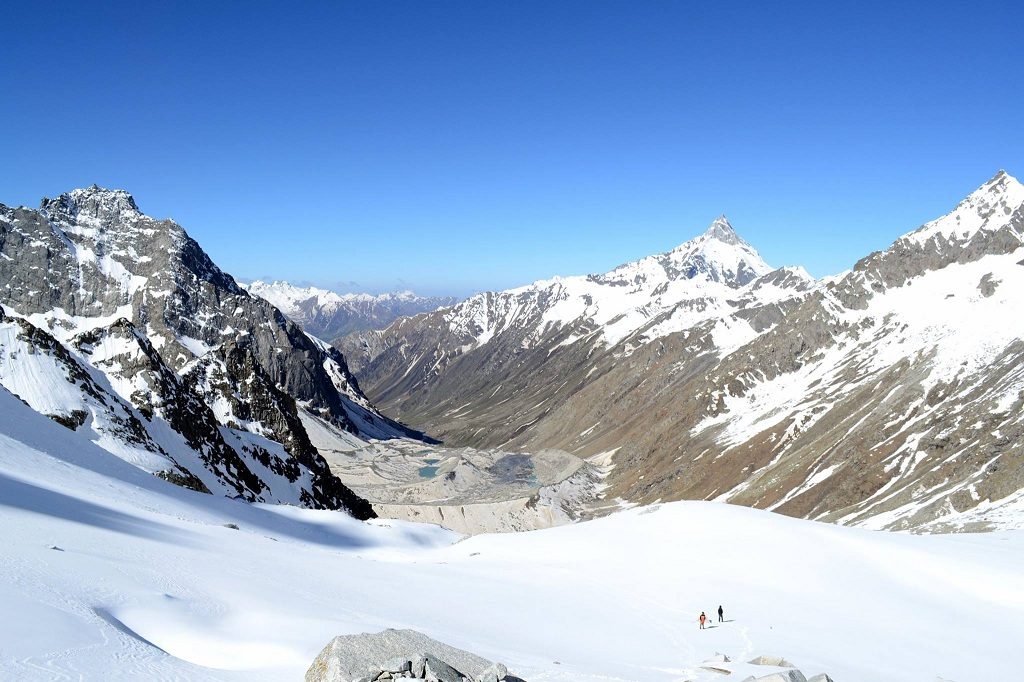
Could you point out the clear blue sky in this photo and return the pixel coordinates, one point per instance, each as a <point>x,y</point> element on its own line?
<point>458,146</point>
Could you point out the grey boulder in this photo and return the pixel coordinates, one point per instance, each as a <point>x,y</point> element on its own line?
<point>777,661</point>
<point>395,653</point>
<point>419,664</point>
<point>397,665</point>
<point>788,676</point>
<point>496,673</point>
<point>436,670</point>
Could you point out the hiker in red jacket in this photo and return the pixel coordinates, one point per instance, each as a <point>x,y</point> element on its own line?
<point>702,619</point>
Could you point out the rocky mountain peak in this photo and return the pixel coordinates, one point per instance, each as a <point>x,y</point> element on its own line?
<point>722,230</point>
<point>998,203</point>
<point>92,202</point>
<point>1002,188</point>
<point>1002,177</point>
<point>719,253</point>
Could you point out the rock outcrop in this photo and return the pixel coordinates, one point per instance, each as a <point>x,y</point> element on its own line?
<point>400,654</point>
<point>788,676</point>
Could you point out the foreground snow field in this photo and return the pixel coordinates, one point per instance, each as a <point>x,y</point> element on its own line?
<point>109,573</point>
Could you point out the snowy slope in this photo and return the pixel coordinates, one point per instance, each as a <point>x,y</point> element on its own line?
<point>330,315</point>
<point>108,573</point>
<point>45,375</point>
<point>149,418</point>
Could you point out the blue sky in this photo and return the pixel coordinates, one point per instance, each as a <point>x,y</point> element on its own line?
<point>459,146</point>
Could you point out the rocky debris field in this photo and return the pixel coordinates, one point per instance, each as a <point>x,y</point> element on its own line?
<point>467,490</point>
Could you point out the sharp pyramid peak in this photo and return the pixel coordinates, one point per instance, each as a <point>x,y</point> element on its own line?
<point>1001,182</point>
<point>722,230</point>
<point>990,207</point>
<point>720,251</point>
<point>1001,186</point>
<point>1001,174</point>
<point>720,223</point>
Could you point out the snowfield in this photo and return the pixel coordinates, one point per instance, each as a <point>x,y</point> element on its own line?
<point>108,573</point>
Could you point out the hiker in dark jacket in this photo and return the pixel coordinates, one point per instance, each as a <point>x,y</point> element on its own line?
<point>721,614</point>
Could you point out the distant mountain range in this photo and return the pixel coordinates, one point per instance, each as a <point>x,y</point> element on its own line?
<point>329,315</point>
<point>888,396</point>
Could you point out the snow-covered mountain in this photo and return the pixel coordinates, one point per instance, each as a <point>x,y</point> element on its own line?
<point>329,315</point>
<point>689,283</point>
<point>703,278</point>
<point>120,325</point>
<point>889,396</point>
<point>107,573</point>
<point>708,277</point>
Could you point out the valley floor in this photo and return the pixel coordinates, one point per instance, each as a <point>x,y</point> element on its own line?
<point>463,489</point>
<point>109,573</point>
